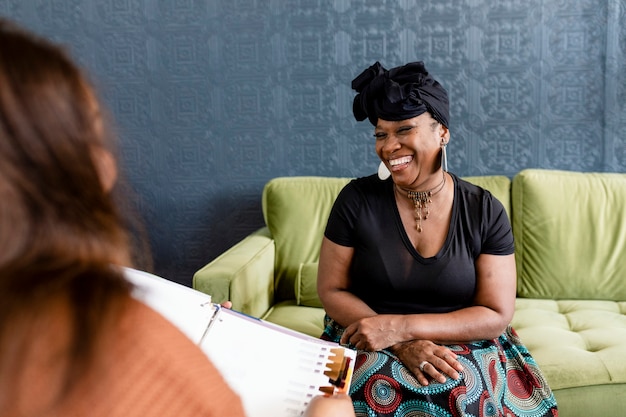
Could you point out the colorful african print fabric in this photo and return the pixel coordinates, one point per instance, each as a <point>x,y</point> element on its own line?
<point>500,378</point>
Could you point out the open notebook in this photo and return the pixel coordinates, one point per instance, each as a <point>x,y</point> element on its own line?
<point>276,371</point>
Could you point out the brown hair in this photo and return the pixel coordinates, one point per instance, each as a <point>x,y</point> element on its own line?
<point>60,229</point>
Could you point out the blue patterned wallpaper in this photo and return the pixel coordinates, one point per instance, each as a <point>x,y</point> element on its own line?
<point>215,97</point>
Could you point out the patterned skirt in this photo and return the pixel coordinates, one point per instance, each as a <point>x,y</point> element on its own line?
<point>500,378</point>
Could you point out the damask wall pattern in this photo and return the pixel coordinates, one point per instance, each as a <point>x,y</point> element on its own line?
<point>213,98</point>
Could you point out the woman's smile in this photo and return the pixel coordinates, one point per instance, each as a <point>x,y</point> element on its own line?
<point>398,164</point>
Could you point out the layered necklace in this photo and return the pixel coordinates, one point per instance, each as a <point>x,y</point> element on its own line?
<point>422,200</point>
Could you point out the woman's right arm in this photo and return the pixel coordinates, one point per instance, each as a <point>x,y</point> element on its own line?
<point>333,281</point>
<point>365,329</point>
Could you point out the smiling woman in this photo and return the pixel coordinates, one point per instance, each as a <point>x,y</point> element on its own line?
<point>417,270</point>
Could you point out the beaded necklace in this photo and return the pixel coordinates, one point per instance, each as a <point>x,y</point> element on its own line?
<point>422,200</point>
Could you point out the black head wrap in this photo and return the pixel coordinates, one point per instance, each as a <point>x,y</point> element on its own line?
<point>399,94</point>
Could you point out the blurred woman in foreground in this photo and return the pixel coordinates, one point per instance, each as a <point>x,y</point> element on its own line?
<point>73,342</point>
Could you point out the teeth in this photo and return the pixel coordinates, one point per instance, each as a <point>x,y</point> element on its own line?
<point>403,160</point>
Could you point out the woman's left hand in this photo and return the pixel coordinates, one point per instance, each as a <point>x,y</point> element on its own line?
<point>427,359</point>
<point>374,333</point>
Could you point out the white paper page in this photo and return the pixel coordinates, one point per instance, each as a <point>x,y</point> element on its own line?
<point>267,364</point>
<point>190,310</point>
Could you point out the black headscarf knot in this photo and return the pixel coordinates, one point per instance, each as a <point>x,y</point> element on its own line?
<point>398,94</point>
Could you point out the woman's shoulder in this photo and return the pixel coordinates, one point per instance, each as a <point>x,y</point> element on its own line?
<point>472,192</point>
<point>152,368</point>
<point>466,186</point>
<point>362,189</point>
<point>370,184</point>
<point>370,180</point>
<point>154,335</point>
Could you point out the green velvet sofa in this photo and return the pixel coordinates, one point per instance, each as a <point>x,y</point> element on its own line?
<point>570,234</point>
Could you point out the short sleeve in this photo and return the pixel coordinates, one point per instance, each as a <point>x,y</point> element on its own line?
<point>497,233</point>
<point>343,216</point>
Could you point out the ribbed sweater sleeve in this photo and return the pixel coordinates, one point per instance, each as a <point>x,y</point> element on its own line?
<point>150,368</point>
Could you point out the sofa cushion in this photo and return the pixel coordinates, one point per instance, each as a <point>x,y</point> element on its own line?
<point>306,286</point>
<point>307,320</point>
<point>567,227</point>
<point>580,346</point>
<point>588,333</point>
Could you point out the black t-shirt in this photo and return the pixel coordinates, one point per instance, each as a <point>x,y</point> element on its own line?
<point>389,274</point>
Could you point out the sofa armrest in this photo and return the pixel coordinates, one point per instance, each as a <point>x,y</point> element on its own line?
<point>244,274</point>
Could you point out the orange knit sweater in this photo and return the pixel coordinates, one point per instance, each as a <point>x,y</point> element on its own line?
<point>146,367</point>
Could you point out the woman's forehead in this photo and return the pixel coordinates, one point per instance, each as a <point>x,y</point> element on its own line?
<point>423,118</point>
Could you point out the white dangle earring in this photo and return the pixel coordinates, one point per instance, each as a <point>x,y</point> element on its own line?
<point>383,172</point>
<point>444,156</point>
